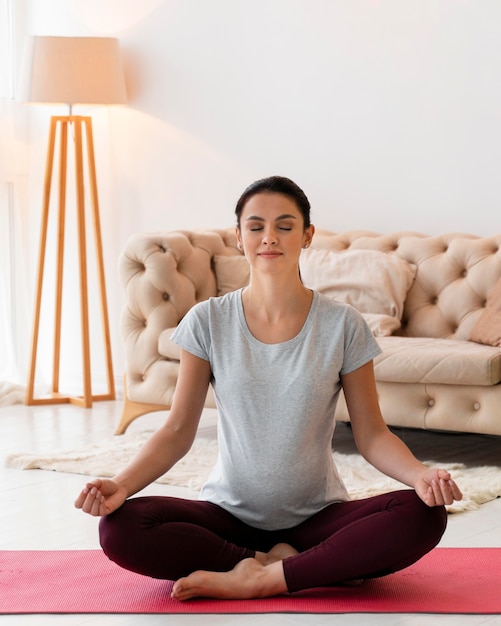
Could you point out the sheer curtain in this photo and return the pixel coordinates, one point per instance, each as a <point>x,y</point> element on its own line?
<point>14,318</point>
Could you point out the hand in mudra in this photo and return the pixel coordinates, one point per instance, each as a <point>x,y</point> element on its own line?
<point>101,497</point>
<point>435,487</point>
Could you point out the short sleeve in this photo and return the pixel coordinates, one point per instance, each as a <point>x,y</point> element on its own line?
<point>360,346</point>
<point>193,334</point>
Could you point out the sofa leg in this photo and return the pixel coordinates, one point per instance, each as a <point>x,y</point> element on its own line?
<point>132,410</point>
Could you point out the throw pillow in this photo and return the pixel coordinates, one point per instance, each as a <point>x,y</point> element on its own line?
<point>374,282</point>
<point>381,325</point>
<point>232,273</point>
<point>487,329</point>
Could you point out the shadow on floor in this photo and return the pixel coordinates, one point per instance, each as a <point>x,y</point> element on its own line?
<point>448,447</point>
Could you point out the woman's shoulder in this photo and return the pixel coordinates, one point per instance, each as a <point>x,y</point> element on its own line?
<point>216,304</point>
<point>228,300</point>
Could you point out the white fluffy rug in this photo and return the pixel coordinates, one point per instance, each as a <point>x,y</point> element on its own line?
<point>479,484</point>
<point>11,393</point>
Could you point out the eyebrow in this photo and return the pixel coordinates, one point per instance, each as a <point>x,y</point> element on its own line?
<point>256,218</point>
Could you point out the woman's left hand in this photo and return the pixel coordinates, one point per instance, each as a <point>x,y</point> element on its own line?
<point>435,487</point>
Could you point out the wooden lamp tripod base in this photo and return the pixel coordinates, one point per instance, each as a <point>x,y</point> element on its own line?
<point>81,125</point>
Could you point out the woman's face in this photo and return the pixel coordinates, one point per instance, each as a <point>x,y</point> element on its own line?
<point>272,231</point>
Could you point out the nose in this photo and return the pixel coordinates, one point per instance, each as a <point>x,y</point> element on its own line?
<point>270,236</point>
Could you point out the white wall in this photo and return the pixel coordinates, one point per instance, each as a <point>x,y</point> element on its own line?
<point>386,112</point>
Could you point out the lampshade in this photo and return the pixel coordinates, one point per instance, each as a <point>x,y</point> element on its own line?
<point>70,70</point>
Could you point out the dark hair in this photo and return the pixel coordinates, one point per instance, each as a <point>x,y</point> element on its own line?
<point>276,184</point>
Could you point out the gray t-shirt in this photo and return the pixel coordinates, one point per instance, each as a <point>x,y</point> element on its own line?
<point>275,406</point>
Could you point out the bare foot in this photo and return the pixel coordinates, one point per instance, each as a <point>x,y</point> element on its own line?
<point>279,552</point>
<point>248,579</point>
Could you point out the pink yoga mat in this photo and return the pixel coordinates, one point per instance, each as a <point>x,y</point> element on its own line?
<point>448,580</point>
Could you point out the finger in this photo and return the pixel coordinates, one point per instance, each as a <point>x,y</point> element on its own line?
<point>450,491</point>
<point>446,492</point>
<point>443,474</point>
<point>455,490</point>
<point>80,500</point>
<point>437,492</point>
<point>96,506</point>
<point>85,491</point>
<point>90,501</point>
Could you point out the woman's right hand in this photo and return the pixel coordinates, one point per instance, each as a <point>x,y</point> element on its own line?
<point>101,497</point>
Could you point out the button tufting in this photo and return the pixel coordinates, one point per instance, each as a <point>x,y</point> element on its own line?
<point>464,273</point>
<point>161,248</point>
<point>476,406</point>
<point>165,296</point>
<point>431,402</point>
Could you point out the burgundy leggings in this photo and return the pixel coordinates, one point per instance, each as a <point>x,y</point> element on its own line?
<point>168,538</point>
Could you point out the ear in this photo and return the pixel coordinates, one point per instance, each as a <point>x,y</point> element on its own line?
<point>239,238</point>
<point>308,236</point>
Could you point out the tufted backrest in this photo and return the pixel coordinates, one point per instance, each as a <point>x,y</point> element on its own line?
<point>165,274</point>
<point>455,272</point>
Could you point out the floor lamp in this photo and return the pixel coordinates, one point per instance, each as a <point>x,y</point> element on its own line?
<point>71,70</point>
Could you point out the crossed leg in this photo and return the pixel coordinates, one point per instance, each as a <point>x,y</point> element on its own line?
<point>344,541</point>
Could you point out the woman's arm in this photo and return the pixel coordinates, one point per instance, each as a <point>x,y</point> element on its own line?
<point>163,449</point>
<point>380,447</point>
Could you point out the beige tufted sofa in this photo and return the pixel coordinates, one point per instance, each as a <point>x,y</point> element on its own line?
<point>429,375</point>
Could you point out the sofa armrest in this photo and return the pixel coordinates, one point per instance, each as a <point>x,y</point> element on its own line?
<point>163,275</point>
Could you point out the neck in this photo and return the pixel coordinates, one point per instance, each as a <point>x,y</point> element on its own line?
<point>277,298</point>
<point>276,312</point>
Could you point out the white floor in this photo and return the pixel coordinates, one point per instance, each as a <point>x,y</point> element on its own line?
<point>36,512</point>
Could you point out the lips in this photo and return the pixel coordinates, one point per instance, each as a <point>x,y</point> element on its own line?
<point>270,255</point>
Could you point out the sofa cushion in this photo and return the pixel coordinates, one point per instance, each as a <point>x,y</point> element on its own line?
<point>487,328</point>
<point>373,282</point>
<point>440,361</point>
<point>232,273</point>
<point>168,348</point>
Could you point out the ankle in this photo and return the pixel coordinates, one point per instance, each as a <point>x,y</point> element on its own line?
<point>270,580</point>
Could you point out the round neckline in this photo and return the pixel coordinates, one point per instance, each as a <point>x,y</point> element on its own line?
<point>248,333</point>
